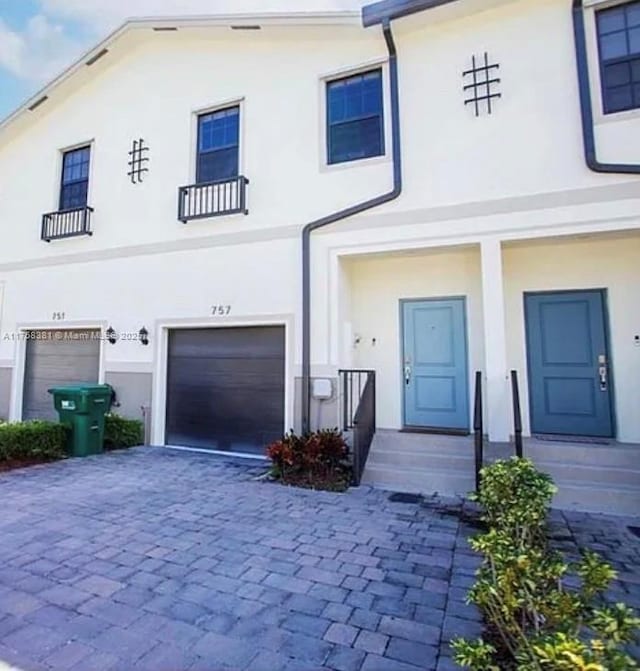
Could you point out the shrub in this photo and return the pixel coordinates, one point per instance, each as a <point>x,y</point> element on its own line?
<point>120,433</point>
<point>534,621</point>
<point>35,440</point>
<point>315,459</point>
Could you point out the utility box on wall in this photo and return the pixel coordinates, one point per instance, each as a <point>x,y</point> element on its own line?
<point>322,389</point>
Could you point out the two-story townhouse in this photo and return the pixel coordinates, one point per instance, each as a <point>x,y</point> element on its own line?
<point>219,215</point>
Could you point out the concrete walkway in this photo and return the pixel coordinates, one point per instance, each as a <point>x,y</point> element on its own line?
<point>166,561</point>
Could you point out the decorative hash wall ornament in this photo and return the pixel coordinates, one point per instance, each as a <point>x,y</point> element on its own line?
<point>481,84</point>
<point>138,159</point>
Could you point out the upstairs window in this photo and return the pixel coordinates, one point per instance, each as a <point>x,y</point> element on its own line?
<point>218,145</point>
<point>355,117</point>
<point>75,178</point>
<point>619,42</point>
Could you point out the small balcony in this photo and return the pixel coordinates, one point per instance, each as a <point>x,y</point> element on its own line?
<point>213,199</point>
<point>66,224</point>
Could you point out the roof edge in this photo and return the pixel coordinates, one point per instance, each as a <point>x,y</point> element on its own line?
<point>388,10</point>
<point>215,20</point>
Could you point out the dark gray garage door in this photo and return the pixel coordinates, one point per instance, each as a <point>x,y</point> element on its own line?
<point>56,358</point>
<point>225,388</point>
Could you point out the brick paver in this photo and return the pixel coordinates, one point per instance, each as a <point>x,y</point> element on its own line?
<point>150,560</point>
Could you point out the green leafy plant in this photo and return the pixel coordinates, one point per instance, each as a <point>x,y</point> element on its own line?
<point>120,432</point>
<point>317,459</point>
<point>32,441</point>
<point>534,621</point>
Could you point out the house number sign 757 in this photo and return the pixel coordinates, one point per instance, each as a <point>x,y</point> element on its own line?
<point>220,310</point>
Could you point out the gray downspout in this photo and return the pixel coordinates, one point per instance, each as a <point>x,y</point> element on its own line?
<point>586,107</point>
<point>343,214</point>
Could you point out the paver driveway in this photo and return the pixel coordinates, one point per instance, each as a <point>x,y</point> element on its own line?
<point>167,561</point>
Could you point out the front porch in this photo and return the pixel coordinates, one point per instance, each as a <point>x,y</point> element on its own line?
<point>525,305</point>
<point>590,477</point>
<point>559,311</point>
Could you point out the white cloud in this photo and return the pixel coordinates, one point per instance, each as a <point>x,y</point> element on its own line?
<point>38,52</point>
<point>11,49</point>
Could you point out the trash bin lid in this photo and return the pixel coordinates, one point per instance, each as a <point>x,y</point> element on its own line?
<point>82,389</point>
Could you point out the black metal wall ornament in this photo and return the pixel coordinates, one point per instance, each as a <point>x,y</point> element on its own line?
<point>481,84</point>
<point>138,160</point>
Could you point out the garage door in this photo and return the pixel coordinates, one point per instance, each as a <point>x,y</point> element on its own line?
<point>225,388</point>
<point>56,358</point>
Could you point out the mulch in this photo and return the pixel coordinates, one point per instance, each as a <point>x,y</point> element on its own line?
<point>334,483</point>
<point>14,464</point>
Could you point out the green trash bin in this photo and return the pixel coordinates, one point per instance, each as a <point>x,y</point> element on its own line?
<point>82,408</point>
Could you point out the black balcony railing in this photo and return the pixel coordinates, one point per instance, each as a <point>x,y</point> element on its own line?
<point>359,414</point>
<point>213,199</point>
<point>66,224</point>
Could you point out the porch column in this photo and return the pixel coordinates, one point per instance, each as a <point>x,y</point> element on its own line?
<point>498,395</point>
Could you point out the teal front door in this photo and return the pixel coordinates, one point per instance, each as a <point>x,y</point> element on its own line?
<point>435,376</point>
<point>569,383</point>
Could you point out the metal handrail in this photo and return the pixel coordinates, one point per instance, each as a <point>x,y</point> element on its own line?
<point>517,413</point>
<point>359,414</point>
<point>478,429</point>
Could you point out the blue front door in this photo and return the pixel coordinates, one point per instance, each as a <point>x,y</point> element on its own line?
<point>435,379</point>
<point>569,383</point>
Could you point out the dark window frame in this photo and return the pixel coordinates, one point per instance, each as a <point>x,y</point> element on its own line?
<point>330,125</point>
<point>607,106</point>
<point>227,108</point>
<point>63,197</point>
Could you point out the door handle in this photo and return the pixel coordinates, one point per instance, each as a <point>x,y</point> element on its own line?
<point>407,374</point>
<point>603,372</point>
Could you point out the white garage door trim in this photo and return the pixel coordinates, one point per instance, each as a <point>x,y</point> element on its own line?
<point>17,383</point>
<point>161,351</point>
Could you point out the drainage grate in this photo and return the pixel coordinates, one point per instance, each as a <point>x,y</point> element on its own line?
<point>399,497</point>
<point>635,531</point>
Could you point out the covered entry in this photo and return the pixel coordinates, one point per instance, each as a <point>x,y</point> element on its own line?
<point>569,363</point>
<point>57,358</point>
<point>226,388</point>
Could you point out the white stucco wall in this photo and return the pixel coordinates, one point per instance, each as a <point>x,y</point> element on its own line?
<point>611,264</point>
<point>515,175</point>
<point>376,287</point>
<point>152,85</point>
<point>152,291</point>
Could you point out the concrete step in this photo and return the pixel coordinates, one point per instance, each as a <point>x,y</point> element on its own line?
<point>421,443</point>
<point>614,455</point>
<point>597,475</point>
<point>596,498</point>
<point>419,481</point>
<point>430,460</point>
<point>593,478</point>
<point>425,459</point>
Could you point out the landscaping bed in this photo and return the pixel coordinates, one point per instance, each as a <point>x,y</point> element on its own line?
<point>541,613</point>
<point>14,464</point>
<point>318,460</point>
<point>122,433</point>
<point>24,444</point>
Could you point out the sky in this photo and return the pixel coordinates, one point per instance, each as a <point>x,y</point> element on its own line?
<point>40,38</point>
